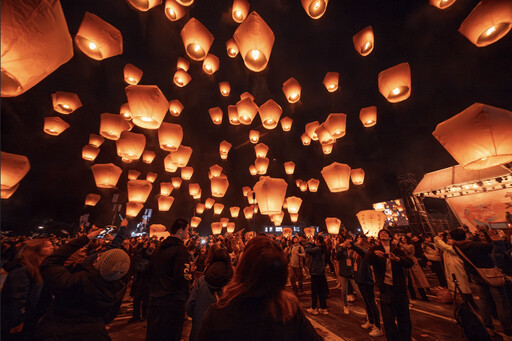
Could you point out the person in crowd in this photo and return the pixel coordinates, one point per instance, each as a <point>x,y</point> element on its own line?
<point>169,285</point>
<point>433,256</point>
<point>208,288</point>
<point>296,256</point>
<point>389,262</point>
<point>344,256</point>
<point>24,297</point>
<point>255,304</point>
<point>417,276</point>
<point>85,299</point>
<point>329,248</point>
<point>319,288</point>
<point>141,280</point>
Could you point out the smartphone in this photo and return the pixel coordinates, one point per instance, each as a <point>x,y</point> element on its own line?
<point>105,231</point>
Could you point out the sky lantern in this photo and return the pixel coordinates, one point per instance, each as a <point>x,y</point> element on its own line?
<point>13,168</point>
<point>96,140</point>
<point>324,137</point>
<point>195,221</point>
<point>176,182</point>
<point>270,194</point>
<point>442,4</point>
<point>303,186</point>
<point>125,112</point>
<point>210,64</point>
<point>132,74</point>
<point>106,175</point>
<point>139,190</point>
<point>54,125</point>
<point>216,228</point>
<point>89,153</point>
<point>200,208</point>
<point>233,115</point>
<point>478,137</point>
<point>197,196</point>
<point>315,8</point>
<point>174,11</point>
<point>261,150</point>
<point>313,185</point>
<point>253,170</point>
<point>246,190</point>
<point>147,104</point>
<point>217,208</point>
<point>247,110</point>
<point>130,146</point>
<point>298,182</point>
<point>133,174</point>
<point>286,123</point>
<point>337,176</point>
<point>170,136</point>
<point>235,211</point>
<point>166,188</point>
<point>164,203</point>
<point>277,219</point>
<point>251,198</point>
<point>255,40</point>
<point>306,140</point>
<point>331,81</point>
<point>248,212</point>
<point>395,83</point>
<point>133,209</point>
<point>293,204</point>
<point>224,148</point>
<point>261,165</point>
<point>270,112</point>
<point>215,171</point>
<point>144,5</point>
<point>98,39</point>
<point>371,222</point>
<point>169,165</point>
<point>287,232</point>
<point>333,225</point>
<point>289,167</point>
<point>309,232</point>
<point>364,41</point>
<point>224,222</point>
<point>336,124</point>
<point>216,115</point>
<point>294,217</point>
<point>254,136</point>
<point>151,176</point>
<point>230,228</point>
<point>181,78</point>
<point>488,22</point>
<point>224,89</point>
<point>311,128</point>
<point>219,186</point>
<point>232,48</point>
<point>208,203</point>
<point>175,107</point>
<point>196,39</point>
<point>182,64</point>
<point>65,102</point>
<point>148,156</point>
<point>186,173</point>
<point>357,176</point>
<point>193,189</point>
<point>327,148</point>
<point>368,116</point>
<point>291,90</point>
<point>92,199</point>
<point>245,95</point>
<point>240,10</point>
<point>185,2</point>
<point>35,42</point>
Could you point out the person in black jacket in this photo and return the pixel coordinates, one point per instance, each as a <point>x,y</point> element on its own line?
<point>389,262</point>
<point>170,273</point>
<point>319,287</point>
<point>141,280</point>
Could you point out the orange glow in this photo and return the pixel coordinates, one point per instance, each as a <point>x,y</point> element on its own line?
<point>130,146</point>
<point>98,39</point>
<point>331,81</point>
<point>224,89</point>
<point>13,168</point>
<point>96,140</point>
<point>315,8</point>
<point>333,225</point>
<point>233,115</point>
<point>54,125</point>
<point>210,64</point>
<point>200,208</point>
<point>175,107</point>
<point>286,123</point>
<point>215,171</point>
<point>133,209</point>
<point>261,165</point>
<point>181,78</point>
<point>65,102</point>
<point>395,83</point>
<point>292,90</point>
<point>132,74</point>
<point>306,140</point>
<point>219,185</point>
<point>92,199</point>
<point>364,41</point>
<point>196,39</point>
<point>235,211</point>
<point>151,177</point>
<point>181,157</point>
<point>270,112</point>
<point>337,177</point>
<point>166,188</point>
<point>139,190</point>
<point>224,148</point>
<point>106,175</point>
<point>133,174</point>
<point>240,10</point>
<point>289,167</point>
<point>232,48</point>
<point>174,11</point>
<point>311,128</point>
<point>254,136</point>
<point>270,194</point>
<point>148,156</point>
<point>336,125</point>
<point>170,136</point>
<point>186,173</point>
<point>313,185</point>
<point>261,150</point>
<point>247,110</point>
<point>216,115</point>
<point>148,105</point>
<point>218,208</point>
<point>368,116</point>
<point>253,170</point>
<point>165,203</point>
<point>89,153</point>
<point>176,182</point>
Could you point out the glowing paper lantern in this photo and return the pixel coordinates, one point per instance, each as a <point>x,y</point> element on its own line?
<point>13,168</point>
<point>232,48</point>
<point>303,186</point>
<point>7,193</point>
<point>197,196</point>
<point>309,232</point>
<point>181,156</point>
<point>298,182</point>
<point>293,204</point>
<point>170,136</point>
<point>230,227</point>
<point>98,39</point>
<point>182,64</point>
<point>196,39</point>
<point>130,146</point>
<point>246,190</point>
<point>176,182</point>
<point>261,165</point>
<point>331,81</point>
<point>248,212</point>
<point>181,78</point>
<point>251,198</point>
<point>224,222</point>
<point>371,222</point>
<point>216,228</point>
<point>368,116</point>
<point>208,203</point>
<point>210,64</point>
<point>148,156</point>
<point>148,105</point>
<point>336,124</point>
<point>395,83</point>
<point>217,208</point>
<point>35,42</point>
<point>442,4</point>
<point>139,190</point>
<point>224,148</point>
<point>306,140</point>
<point>315,8</point>
<point>96,140</point>
<point>287,232</point>
<point>125,112</point>
<point>54,125</point>
<point>133,209</point>
<point>240,10</point>
<point>286,123</point>
<point>89,153</point>
<point>235,211</point>
<point>254,136</point>
<point>132,74</point>
<point>233,115</point>
<point>253,170</point>
<point>333,225</point>
<point>151,177</point>
<point>313,185</point>
<point>133,174</point>
<point>193,189</point>
<point>261,150</point>
<point>489,21</point>
<point>289,167</point>
<point>144,5</point>
<point>294,217</point>
<point>311,128</point>
<point>247,95</point>
<point>357,176</point>
<point>255,40</point>
<point>175,107</point>
<point>219,185</point>
<point>270,112</point>
<point>324,137</point>
<point>277,219</point>
<point>186,173</point>
<point>337,176</point>
<point>106,175</point>
<point>166,188</point>
<point>292,90</point>
<point>247,110</point>
<point>185,2</point>
<point>65,102</point>
<point>216,115</point>
<point>215,171</point>
<point>364,41</point>
<point>327,148</point>
<point>478,137</point>
<point>92,199</point>
<point>200,208</point>
<point>169,166</point>
<point>270,194</point>
<point>195,221</point>
<point>173,10</point>
<point>225,89</point>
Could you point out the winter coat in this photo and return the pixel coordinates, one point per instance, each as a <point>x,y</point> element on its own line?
<point>345,262</point>
<point>364,273</point>
<point>397,267</point>
<point>453,264</point>
<point>84,302</point>
<point>419,280</point>
<point>317,263</point>
<point>479,254</point>
<point>432,253</point>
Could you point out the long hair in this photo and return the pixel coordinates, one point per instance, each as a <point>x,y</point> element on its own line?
<point>262,273</point>
<point>30,257</point>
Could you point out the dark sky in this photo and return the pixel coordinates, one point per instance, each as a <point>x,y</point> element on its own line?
<point>448,74</point>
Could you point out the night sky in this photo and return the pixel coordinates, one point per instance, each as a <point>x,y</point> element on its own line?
<point>449,74</point>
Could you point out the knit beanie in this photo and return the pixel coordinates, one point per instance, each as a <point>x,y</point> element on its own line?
<point>113,264</point>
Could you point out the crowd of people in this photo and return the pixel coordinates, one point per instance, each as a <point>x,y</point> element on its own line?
<point>233,286</point>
